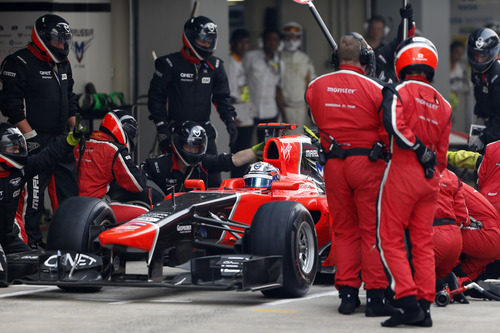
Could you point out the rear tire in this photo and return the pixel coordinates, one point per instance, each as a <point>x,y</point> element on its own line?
<point>74,229</point>
<point>286,228</point>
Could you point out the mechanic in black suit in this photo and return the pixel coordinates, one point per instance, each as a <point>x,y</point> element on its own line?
<point>16,168</point>
<point>186,83</point>
<point>188,158</point>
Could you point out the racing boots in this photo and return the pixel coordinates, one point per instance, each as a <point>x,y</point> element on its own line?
<point>349,299</point>
<point>408,312</point>
<point>376,304</point>
<point>426,307</point>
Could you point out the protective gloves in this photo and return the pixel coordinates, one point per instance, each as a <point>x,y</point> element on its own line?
<point>477,144</point>
<point>163,133</point>
<point>407,12</point>
<point>426,157</point>
<point>33,142</point>
<point>258,148</point>
<point>72,139</point>
<point>232,130</point>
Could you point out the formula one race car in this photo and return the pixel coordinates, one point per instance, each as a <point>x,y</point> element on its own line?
<point>233,237</point>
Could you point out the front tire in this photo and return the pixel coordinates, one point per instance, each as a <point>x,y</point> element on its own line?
<point>286,228</point>
<point>76,225</point>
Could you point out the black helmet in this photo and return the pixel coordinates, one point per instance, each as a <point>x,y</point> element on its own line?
<point>482,49</point>
<point>52,35</point>
<point>189,142</point>
<point>13,148</point>
<point>200,36</point>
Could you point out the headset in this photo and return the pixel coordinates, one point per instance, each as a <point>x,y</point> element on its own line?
<point>366,54</point>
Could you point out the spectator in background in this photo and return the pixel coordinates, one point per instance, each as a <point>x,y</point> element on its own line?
<point>458,75</point>
<point>298,71</point>
<point>263,68</point>
<point>375,32</point>
<point>240,95</point>
<point>38,98</point>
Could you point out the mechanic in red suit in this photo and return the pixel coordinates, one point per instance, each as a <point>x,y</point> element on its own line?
<point>451,215</point>
<point>105,158</point>
<point>481,239</point>
<point>344,105</point>
<point>418,119</point>
<point>488,174</point>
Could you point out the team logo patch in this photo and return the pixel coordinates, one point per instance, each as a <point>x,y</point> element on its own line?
<point>205,80</point>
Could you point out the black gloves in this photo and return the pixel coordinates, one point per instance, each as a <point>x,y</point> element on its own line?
<point>163,132</point>
<point>33,142</point>
<point>233,132</point>
<point>426,157</point>
<point>407,12</point>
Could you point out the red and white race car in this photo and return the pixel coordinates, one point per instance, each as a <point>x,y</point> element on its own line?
<point>274,240</point>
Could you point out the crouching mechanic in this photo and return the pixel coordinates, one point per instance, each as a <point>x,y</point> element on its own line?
<point>418,119</point>
<point>105,158</point>
<point>188,158</point>
<point>345,106</point>
<point>16,168</point>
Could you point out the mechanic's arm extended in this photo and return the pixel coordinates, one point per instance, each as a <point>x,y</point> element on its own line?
<point>464,159</point>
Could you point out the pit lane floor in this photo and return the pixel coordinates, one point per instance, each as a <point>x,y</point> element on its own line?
<point>122,309</point>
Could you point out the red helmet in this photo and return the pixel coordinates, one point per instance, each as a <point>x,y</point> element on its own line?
<point>416,54</point>
<point>13,148</point>
<point>52,35</point>
<point>117,125</point>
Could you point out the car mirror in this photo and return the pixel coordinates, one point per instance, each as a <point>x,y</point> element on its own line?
<point>195,184</point>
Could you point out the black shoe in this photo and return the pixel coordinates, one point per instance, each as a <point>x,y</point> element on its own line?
<point>376,304</point>
<point>427,321</point>
<point>349,299</point>
<point>409,312</point>
<point>453,284</point>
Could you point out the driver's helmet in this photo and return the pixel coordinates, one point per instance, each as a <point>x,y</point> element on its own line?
<point>261,175</point>
<point>13,148</point>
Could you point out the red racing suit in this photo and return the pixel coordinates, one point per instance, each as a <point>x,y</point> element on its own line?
<point>407,199</point>
<point>345,105</point>
<point>450,216</point>
<point>104,161</point>
<point>481,245</point>
<point>488,181</point>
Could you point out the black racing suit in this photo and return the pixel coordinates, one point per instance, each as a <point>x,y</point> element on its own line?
<point>163,169</point>
<point>487,94</point>
<point>12,182</point>
<point>35,91</point>
<point>184,88</point>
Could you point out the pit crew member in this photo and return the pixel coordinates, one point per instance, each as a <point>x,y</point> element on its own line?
<point>418,119</point>
<point>344,106</point>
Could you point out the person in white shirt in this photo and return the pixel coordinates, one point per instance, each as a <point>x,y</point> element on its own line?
<point>263,68</point>
<point>240,96</point>
<point>298,71</point>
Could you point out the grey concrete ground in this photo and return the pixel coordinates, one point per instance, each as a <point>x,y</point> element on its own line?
<point>119,309</point>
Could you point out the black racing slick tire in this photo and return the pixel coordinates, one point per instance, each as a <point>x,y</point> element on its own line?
<point>77,223</point>
<point>286,228</point>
